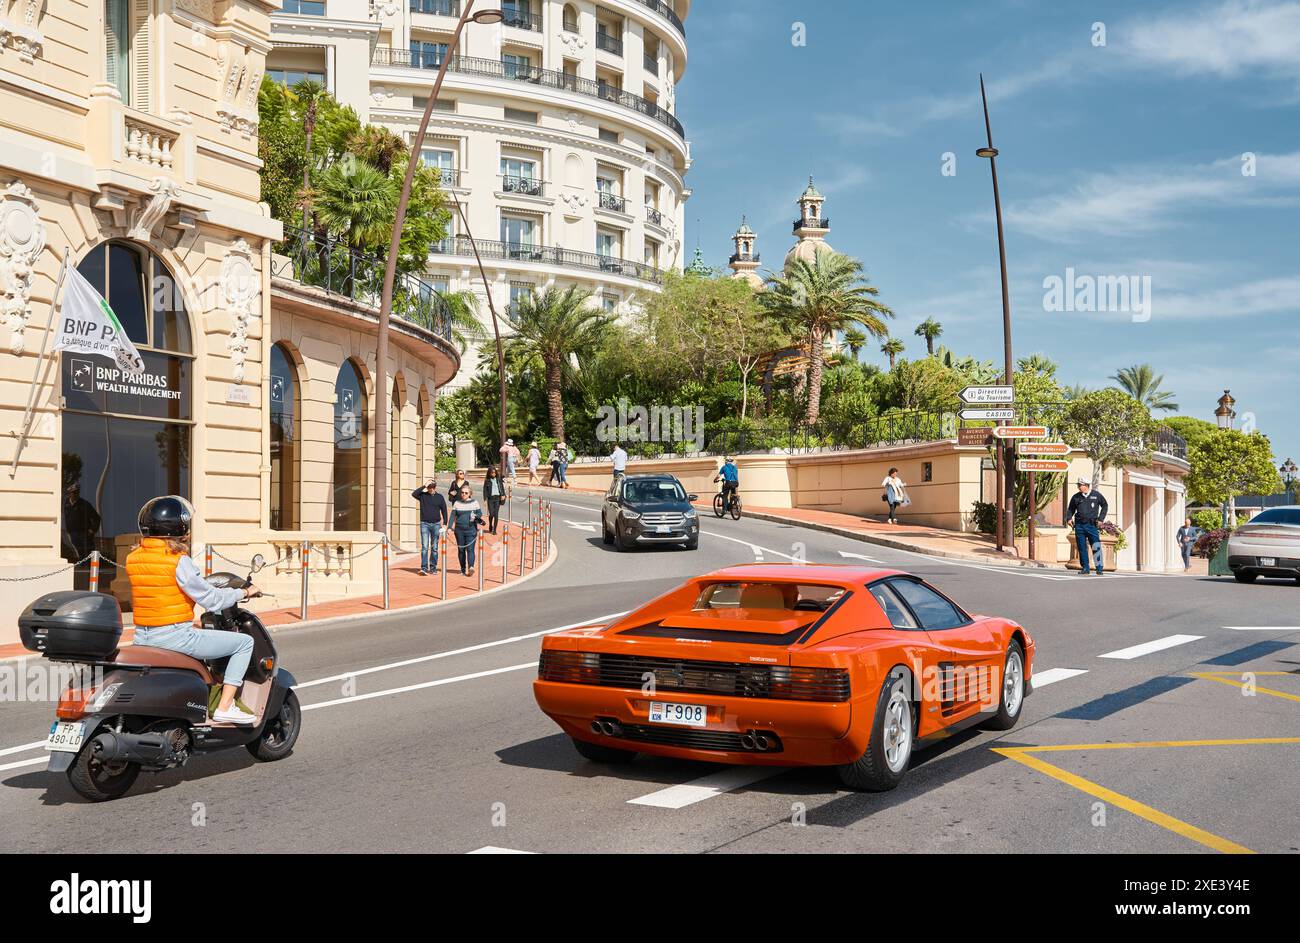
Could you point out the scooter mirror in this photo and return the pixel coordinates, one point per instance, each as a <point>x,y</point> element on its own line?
<point>259,561</point>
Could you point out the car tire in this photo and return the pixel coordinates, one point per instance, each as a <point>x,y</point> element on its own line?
<point>693,543</point>
<point>1012,699</point>
<point>883,764</point>
<point>1242,577</point>
<point>598,753</point>
<point>605,535</point>
<point>620,542</point>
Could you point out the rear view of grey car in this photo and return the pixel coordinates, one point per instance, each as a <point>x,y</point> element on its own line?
<point>1267,545</point>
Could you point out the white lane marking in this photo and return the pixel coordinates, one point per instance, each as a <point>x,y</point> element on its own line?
<point>39,759</point>
<point>22,749</point>
<point>456,651</point>
<point>1042,679</point>
<point>859,556</point>
<point>419,687</point>
<point>1264,628</point>
<point>588,528</point>
<point>697,790</point>
<point>1146,648</point>
<point>494,850</point>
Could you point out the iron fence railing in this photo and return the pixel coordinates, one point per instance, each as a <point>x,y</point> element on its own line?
<point>520,19</point>
<point>322,261</point>
<point>611,201</point>
<point>666,12</point>
<point>550,255</point>
<point>654,216</point>
<point>812,222</point>
<point>745,257</point>
<point>528,186</point>
<point>494,68</point>
<point>609,43</point>
<point>1169,442</point>
<point>436,7</point>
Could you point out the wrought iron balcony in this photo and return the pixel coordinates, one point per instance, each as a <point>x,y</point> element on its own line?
<point>528,186</point>
<point>666,12</point>
<point>652,215</point>
<point>436,7</point>
<point>611,201</point>
<point>447,176</point>
<point>609,42</point>
<point>521,20</point>
<point>1169,442</point>
<point>745,257</point>
<point>550,255</point>
<point>812,222</point>
<point>324,262</point>
<point>494,68</point>
<point>651,64</point>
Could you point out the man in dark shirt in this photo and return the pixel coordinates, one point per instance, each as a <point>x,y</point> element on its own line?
<point>433,516</point>
<point>1086,510</point>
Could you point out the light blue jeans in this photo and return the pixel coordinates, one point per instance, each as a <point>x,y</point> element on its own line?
<point>203,644</point>
<point>429,531</point>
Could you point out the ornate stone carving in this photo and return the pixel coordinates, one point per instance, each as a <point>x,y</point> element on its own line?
<point>239,77</point>
<point>380,94</point>
<point>200,8</point>
<point>22,238</point>
<point>24,36</point>
<point>573,42</point>
<point>574,119</point>
<point>574,201</point>
<point>150,216</point>
<point>240,288</point>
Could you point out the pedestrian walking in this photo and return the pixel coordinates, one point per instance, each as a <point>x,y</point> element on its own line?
<point>1187,535</point>
<point>510,459</point>
<point>619,458</point>
<point>895,494</point>
<point>467,521</point>
<point>564,464</point>
<point>1087,509</point>
<point>433,518</point>
<point>553,459</point>
<point>493,493</point>
<point>453,490</point>
<point>534,459</point>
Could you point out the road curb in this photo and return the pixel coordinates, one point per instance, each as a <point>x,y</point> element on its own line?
<point>331,621</point>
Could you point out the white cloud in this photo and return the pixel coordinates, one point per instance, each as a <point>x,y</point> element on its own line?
<point>1237,38</point>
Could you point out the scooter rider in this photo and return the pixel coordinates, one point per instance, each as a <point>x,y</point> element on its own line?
<point>165,587</point>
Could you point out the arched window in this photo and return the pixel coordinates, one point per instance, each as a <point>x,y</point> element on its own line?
<point>422,437</point>
<point>125,439</point>
<point>349,448</point>
<point>285,441</point>
<point>570,18</point>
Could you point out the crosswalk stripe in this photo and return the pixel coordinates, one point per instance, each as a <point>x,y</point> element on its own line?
<point>1042,679</point>
<point>677,797</point>
<point>1264,628</point>
<point>1146,648</point>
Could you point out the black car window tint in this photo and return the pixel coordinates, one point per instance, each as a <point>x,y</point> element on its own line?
<point>933,611</point>
<point>895,611</point>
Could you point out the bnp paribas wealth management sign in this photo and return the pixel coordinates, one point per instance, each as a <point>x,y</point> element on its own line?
<point>988,395</point>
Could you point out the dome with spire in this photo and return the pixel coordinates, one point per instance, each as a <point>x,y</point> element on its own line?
<point>698,266</point>
<point>810,192</point>
<point>810,228</point>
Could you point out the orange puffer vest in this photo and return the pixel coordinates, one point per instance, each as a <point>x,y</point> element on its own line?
<point>157,598</point>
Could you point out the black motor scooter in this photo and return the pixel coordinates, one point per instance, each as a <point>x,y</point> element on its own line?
<point>142,708</point>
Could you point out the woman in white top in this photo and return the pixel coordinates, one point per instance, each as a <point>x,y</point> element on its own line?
<point>895,493</point>
<point>534,459</point>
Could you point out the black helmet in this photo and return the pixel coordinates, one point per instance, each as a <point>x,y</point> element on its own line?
<point>168,516</point>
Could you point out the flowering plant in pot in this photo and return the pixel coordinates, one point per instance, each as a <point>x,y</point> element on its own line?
<point>1107,529</point>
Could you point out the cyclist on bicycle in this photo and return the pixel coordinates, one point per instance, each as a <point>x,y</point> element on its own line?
<point>729,475</point>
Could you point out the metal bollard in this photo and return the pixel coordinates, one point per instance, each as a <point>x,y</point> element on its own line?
<point>478,558</point>
<point>523,546</point>
<point>532,554</point>
<point>505,554</point>
<point>385,551</point>
<point>442,552</point>
<point>546,537</point>
<point>304,551</point>
<point>94,571</point>
<point>207,559</point>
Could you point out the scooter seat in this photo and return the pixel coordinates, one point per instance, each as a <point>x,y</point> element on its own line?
<point>160,658</point>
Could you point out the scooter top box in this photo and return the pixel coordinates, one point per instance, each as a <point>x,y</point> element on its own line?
<point>69,624</point>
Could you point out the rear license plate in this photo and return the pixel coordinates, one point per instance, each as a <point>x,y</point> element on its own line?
<point>685,715</point>
<point>1268,561</point>
<point>66,737</point>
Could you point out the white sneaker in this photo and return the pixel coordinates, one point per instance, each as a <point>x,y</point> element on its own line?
<point>233,715</point>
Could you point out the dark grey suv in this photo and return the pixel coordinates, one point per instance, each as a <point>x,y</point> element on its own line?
<point>649,509</point>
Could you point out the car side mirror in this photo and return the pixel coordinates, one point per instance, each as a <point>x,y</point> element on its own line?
<point>259,561</point>
<point>692,497</point>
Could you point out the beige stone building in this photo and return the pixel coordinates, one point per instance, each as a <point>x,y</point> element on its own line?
<point>130,133</point>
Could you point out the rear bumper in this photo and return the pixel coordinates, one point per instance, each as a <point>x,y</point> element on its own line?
<point>1247,560</point>
<point>809,733</point>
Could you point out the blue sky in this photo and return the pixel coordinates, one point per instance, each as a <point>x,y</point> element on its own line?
<point>1123,159</point>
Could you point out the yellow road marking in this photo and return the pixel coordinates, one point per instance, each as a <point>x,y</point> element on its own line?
<point>1146,744</point>
<point>1177,826</point>
<point>1233,679</point>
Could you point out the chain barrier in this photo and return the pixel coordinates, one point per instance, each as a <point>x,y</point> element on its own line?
<point>41,576</point>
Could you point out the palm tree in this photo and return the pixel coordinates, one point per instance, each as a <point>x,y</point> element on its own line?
<point>1143,384</point>
<point>819,297</point>
<point>462,310</point>
<point>1037,363</point>
<point>356,201</point>
<point>892,348</point>
<point>377,146</point>
<point>929,329</point>
<point>1075,391</point>
<point>555,326</point>
<point>855,340</point>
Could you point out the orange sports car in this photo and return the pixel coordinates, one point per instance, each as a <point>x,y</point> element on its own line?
<point>786,665</point>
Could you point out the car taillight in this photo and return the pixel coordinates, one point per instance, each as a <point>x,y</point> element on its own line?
<point>809,684</point>
<point>569,667</point>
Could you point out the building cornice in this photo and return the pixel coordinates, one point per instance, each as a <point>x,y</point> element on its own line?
<point>289,25</point>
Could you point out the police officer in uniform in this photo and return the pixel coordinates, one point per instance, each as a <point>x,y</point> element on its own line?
<point>1086,510</point>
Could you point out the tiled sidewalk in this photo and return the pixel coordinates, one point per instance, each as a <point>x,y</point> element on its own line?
<point>406,587</point>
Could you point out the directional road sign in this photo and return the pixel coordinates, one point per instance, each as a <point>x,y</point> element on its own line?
<point>1042,464</point>
<point>988,394</point>
<point>987,414</point>
<point>1019,432</point>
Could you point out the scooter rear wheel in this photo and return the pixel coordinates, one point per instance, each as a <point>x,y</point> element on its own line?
<point>280,733</point>
<point>98,781</point>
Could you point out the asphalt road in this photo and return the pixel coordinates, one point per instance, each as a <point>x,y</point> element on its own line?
<point>437,745</point>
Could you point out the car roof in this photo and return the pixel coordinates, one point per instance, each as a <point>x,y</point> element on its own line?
<point>838,574</point>
<point>650,476</point>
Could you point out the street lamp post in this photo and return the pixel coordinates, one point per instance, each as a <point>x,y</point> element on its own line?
<point>390,266</point>
<point>1224,415</point>
<point>1288,470</point>
<point>1006,477</point>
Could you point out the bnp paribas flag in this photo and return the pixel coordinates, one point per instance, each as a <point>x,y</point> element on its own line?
<point>88,325</point>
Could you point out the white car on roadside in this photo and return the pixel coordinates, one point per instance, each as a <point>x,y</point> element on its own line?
<point>1267,545</point>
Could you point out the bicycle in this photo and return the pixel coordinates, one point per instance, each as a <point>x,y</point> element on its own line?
<point>722,506</point>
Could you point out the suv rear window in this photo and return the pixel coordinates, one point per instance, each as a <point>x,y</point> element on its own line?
<point>1277,516</point>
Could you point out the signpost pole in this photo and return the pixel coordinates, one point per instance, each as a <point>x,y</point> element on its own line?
<point>1033,501</point>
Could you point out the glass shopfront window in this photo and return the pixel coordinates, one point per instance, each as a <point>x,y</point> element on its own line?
<point>349,449</point>
<point>125,439</point>
<point>285,442</point>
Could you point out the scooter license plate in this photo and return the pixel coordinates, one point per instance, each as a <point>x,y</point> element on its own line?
<point>66,737</point>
